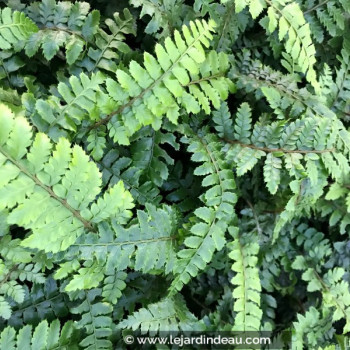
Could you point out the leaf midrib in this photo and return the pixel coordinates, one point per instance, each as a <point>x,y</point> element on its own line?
<point>49,190</point>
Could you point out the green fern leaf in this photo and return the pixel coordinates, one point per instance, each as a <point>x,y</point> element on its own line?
<point>180,75</point>
<point>14,27</point>
<point>144,246</point>
<point>210,222</point>
<point>247,292</point>
<point>168,314</point>
<point>44,336</point>
<point>96,320</point>
<point>105,55</point>
<point>272,172</point>
<point>79,98</point>
<point>243,123</point>
<point>40,178</point>
<point>63,25</point>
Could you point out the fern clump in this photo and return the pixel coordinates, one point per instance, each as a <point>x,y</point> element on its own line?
<point>172,167</point>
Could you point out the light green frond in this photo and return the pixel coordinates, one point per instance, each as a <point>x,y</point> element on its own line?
<point>52,176</point>
<point>78,103</point>
<point>181,75</point>
<point>292,26</point>
<point>169,314</point>
<point>14,27</point>
<point>43,336</point>
<point>144,246</point>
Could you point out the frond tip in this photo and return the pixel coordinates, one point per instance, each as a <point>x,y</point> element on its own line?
<point>247,282</point>
<point>14,27</point>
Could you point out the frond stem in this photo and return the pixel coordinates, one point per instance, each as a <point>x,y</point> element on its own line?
<point>271,150</point>
<point>315,7</point>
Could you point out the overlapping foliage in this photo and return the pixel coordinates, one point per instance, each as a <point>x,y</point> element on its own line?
<point>174,165</point>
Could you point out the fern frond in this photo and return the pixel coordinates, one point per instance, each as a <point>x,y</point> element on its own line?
<point>281,91</point>
<point>43,336</point>
<point>243,123</point>
<point>96,320</point>
<point>169,314</point>
<point>308,141</point>
<point>114,284</point>
<point>10,64</point>
<point>312,322</point>
<point>165,15</point>
<point>325,18</point>
<point>210,222</point>
<point>144,246</point>
<point>43,302</point>
<point>14,28</point>
<point>180,75</point>
<point>78,102</point>
<point>288,17</point>
<point>244,250</point>
<point>229,23</point>
<point>150,157</point>
<point>334,288</point>
<point>55,180</point>
<point>18,267</point>
<point>62,24</point>
<point>116,168</point>
<point>223,121</point>
<point>104,56</point>
<point>10,98</point>
<point>336,203</point>
<point>339,90</point>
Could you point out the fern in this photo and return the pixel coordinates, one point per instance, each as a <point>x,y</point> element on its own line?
<point>293,142</point>
<point>108,46</point>
<point>326,18</point>
<point>14,28</point>
<point>335,291</point>
<point>246,294</point>
<point>288,18</point>
<point>44,336</point>
<point>210,222</point>
<point>96,320</point>
<point>230,24</point>
<point>41,179</point>
<point>79,99</point>
<point>165,15</point>
<point>310,321</point>
<point>174,79</point>
<point>144,246</point>
<point>338,92</point>
<point>16,268</point>
<point>281,91</point>
<point>43,302</point>
<point>61,24</point>
<point>115,168</point>
<point>168,314</point>
<point>168,166</point>
<point>151,158</point>
<point>10,64</point>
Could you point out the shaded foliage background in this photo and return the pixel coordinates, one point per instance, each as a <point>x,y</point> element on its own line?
<point>174,162</point>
